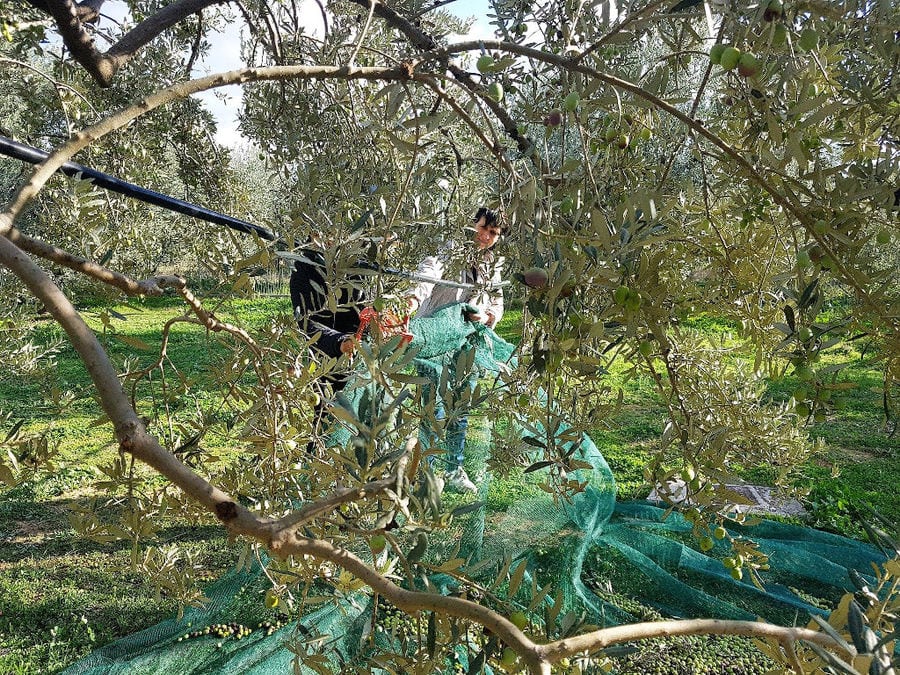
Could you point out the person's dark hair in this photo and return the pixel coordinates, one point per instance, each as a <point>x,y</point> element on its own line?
<point>491,218</point>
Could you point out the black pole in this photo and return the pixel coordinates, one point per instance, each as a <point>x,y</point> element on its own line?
<point>26,153</point>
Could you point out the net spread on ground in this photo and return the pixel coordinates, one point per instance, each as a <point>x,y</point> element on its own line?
<point>595,550</point>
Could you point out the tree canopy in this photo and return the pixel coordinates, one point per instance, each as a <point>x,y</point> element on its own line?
<point>656,160</point>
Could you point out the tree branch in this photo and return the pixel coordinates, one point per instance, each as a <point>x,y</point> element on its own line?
<point>282,529</point>
<point>416,36</point>
<point>619,27</point>
<point>181,90</point>
<point>537,657</point>
<point>129,429</point>
<point>87,11</point>
<point>210,322</point>
<point>606,637</point>
<point>125,49</point>
<point>414,601</point>
<point>459,110</point>
<point>80,42</point>
<point>62,257</point>
<point>425,42</point>
<point>69,18</point>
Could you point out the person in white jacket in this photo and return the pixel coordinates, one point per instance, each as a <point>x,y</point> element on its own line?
<point>482,268</point>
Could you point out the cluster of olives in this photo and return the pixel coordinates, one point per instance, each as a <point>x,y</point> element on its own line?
<point>601,584</point>
<point>396,622</point>
<point>569,105</point>
<point>730,57</point>
<point>486,64</point>
<point>271,626</point>
<point>235,630</point>
<point>695,655</point>
<point>624,135</point>
<point>220,630</point>
<point>620,133</point>
<point>812,401</point>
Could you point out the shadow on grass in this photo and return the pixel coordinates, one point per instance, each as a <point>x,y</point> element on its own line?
<point>62,596</point>
<point>36,529</point>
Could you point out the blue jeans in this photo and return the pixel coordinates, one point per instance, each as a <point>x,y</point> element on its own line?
<point>455,429</point>
<point>454,437</point>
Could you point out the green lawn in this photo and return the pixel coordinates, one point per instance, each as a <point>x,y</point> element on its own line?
<point>61,597</point>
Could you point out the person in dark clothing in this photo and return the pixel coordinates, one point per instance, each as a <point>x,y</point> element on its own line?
<point>336,330</point>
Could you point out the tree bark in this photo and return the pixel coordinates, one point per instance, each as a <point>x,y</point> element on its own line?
<point>87,11</point>
<point>103,67</point>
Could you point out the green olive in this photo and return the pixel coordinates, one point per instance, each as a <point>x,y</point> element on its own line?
<point>809,39</point>
<point>730,58</point>
<point>485,63</point>
<point>519,619</point>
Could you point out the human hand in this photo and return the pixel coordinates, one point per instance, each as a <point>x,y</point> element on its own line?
<point>348,346</point>
<point>474,316</point>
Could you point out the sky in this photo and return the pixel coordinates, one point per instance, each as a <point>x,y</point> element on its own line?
<point>224,102</point>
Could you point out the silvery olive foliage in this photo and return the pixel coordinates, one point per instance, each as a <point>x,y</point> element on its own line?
<point>651,175</point>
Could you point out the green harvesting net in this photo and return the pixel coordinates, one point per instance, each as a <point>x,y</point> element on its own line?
<point>591,547</point>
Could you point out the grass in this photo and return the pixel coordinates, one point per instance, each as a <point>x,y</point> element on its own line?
<point>61,597</point>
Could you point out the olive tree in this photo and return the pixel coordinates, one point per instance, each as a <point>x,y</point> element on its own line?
<point>655,161</point>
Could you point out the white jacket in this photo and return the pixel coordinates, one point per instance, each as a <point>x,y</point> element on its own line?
<point>488,270</point>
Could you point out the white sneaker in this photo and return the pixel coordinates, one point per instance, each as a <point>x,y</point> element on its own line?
<point>458,481</point>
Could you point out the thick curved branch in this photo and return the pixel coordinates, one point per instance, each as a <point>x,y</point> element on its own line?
<point>129,429</point>
<point>786,636</point>
<point>414,601</point>
<point>62,257</point>
<point>79,41</point>
<point>537,657</point>
<point>104,66</point>
<point>181,90</point>
<point>151,27</point>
